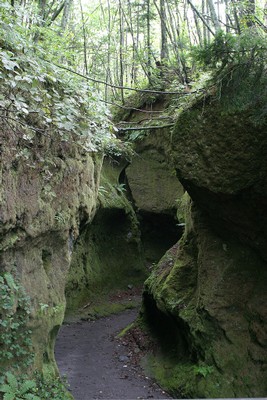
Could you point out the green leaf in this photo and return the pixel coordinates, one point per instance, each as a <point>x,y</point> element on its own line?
<point>26,386</point>
<point>9,396</point>
<point>30,396</point>
<point>5,388</point>
<point>10,281</point>
<point>12,380</point>
<point>9,65</point>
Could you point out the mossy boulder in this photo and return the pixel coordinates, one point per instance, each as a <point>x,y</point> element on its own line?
<point>153,183</point>
<point>211,287</point>
<point>221,160</point>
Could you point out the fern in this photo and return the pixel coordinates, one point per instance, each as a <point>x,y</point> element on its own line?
<point>27,385</point>
<point>12,381</point>
<point>9,396</point>
<point>17,389</point>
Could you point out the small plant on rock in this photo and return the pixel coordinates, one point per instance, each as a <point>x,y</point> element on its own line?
<point>15,389</point>
<point>15,342</point>
<point>203,370</point>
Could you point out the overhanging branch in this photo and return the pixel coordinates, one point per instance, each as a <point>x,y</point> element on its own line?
<point>145,128</point>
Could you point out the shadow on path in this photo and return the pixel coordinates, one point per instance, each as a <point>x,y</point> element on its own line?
<point>97,366</point>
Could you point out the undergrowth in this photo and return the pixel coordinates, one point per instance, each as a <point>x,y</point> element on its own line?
<point>239,72</point>
<point>17,381</point>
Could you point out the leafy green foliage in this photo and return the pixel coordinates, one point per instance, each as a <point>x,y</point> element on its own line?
<point>38,97</point>
<point>50,388</point>
<point>120,187</point>
<point>15,347</point>
<point>15,389</point>
<point>203,370</point>
<point>239,72</point>
<point>217,53</point>
<point>15,342</point>
<point>38,388</point>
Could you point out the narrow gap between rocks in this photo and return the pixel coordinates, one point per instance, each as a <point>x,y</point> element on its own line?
<point>96,364</point>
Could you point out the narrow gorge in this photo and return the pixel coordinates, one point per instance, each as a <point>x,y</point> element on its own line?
<point>173,211</point>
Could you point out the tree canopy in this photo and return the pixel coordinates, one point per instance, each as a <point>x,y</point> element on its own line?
<point>117,44</point>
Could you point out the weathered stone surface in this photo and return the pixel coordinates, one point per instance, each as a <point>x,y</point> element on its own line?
<point>108,254</point>
<point>214,284</point>
<point>221,160</point>
<point>155,192</point>
<point>153,184</point>
<point>45,193</point>
<point>152,180</point>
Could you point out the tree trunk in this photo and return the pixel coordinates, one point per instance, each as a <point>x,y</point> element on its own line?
<point>198,30</point>
<point>163,21</point>
<point>66,14</point>
<point>213,15</point>
<point>121,50</point>
<point>84,41</point>
<point>250,12</point>
<point>108,69</point>
<point>237,25</point>
<point>149,54</point>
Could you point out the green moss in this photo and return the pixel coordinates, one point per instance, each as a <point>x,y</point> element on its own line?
<point>183,205</point>
<point>9,240</point>
<point>218,151</point>
<point>177,379</point>
<point>106,257</point>
<point>102,307</point>
<point>105,309</point>
<point>194,290</point>
<point>149,171</point>
<point>186,379</point>
<point>124,331</point>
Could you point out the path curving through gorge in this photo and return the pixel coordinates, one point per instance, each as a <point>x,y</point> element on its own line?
<point>97,366</point>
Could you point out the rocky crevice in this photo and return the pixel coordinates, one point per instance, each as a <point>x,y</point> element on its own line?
<point>66,230</point>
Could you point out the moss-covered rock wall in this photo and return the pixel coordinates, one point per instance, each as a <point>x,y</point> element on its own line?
<point>213,283</point>
<point>108,255</point>
<point>47,189</point>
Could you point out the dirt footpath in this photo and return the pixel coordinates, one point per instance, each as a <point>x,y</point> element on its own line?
<point>97,366</point>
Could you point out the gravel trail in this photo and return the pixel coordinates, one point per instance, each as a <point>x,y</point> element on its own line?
<point>97,366</point>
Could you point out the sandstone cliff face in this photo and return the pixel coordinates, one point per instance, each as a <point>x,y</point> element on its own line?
<point>47,188</point>
<point>213,283</point>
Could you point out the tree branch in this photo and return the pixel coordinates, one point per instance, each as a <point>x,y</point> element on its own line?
<point>146,128</point>
<point>88,78</point>
<point>57,12</point>
<point>201,17</point>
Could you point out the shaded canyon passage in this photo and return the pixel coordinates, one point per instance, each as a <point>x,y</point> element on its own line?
<point>97,366</point>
